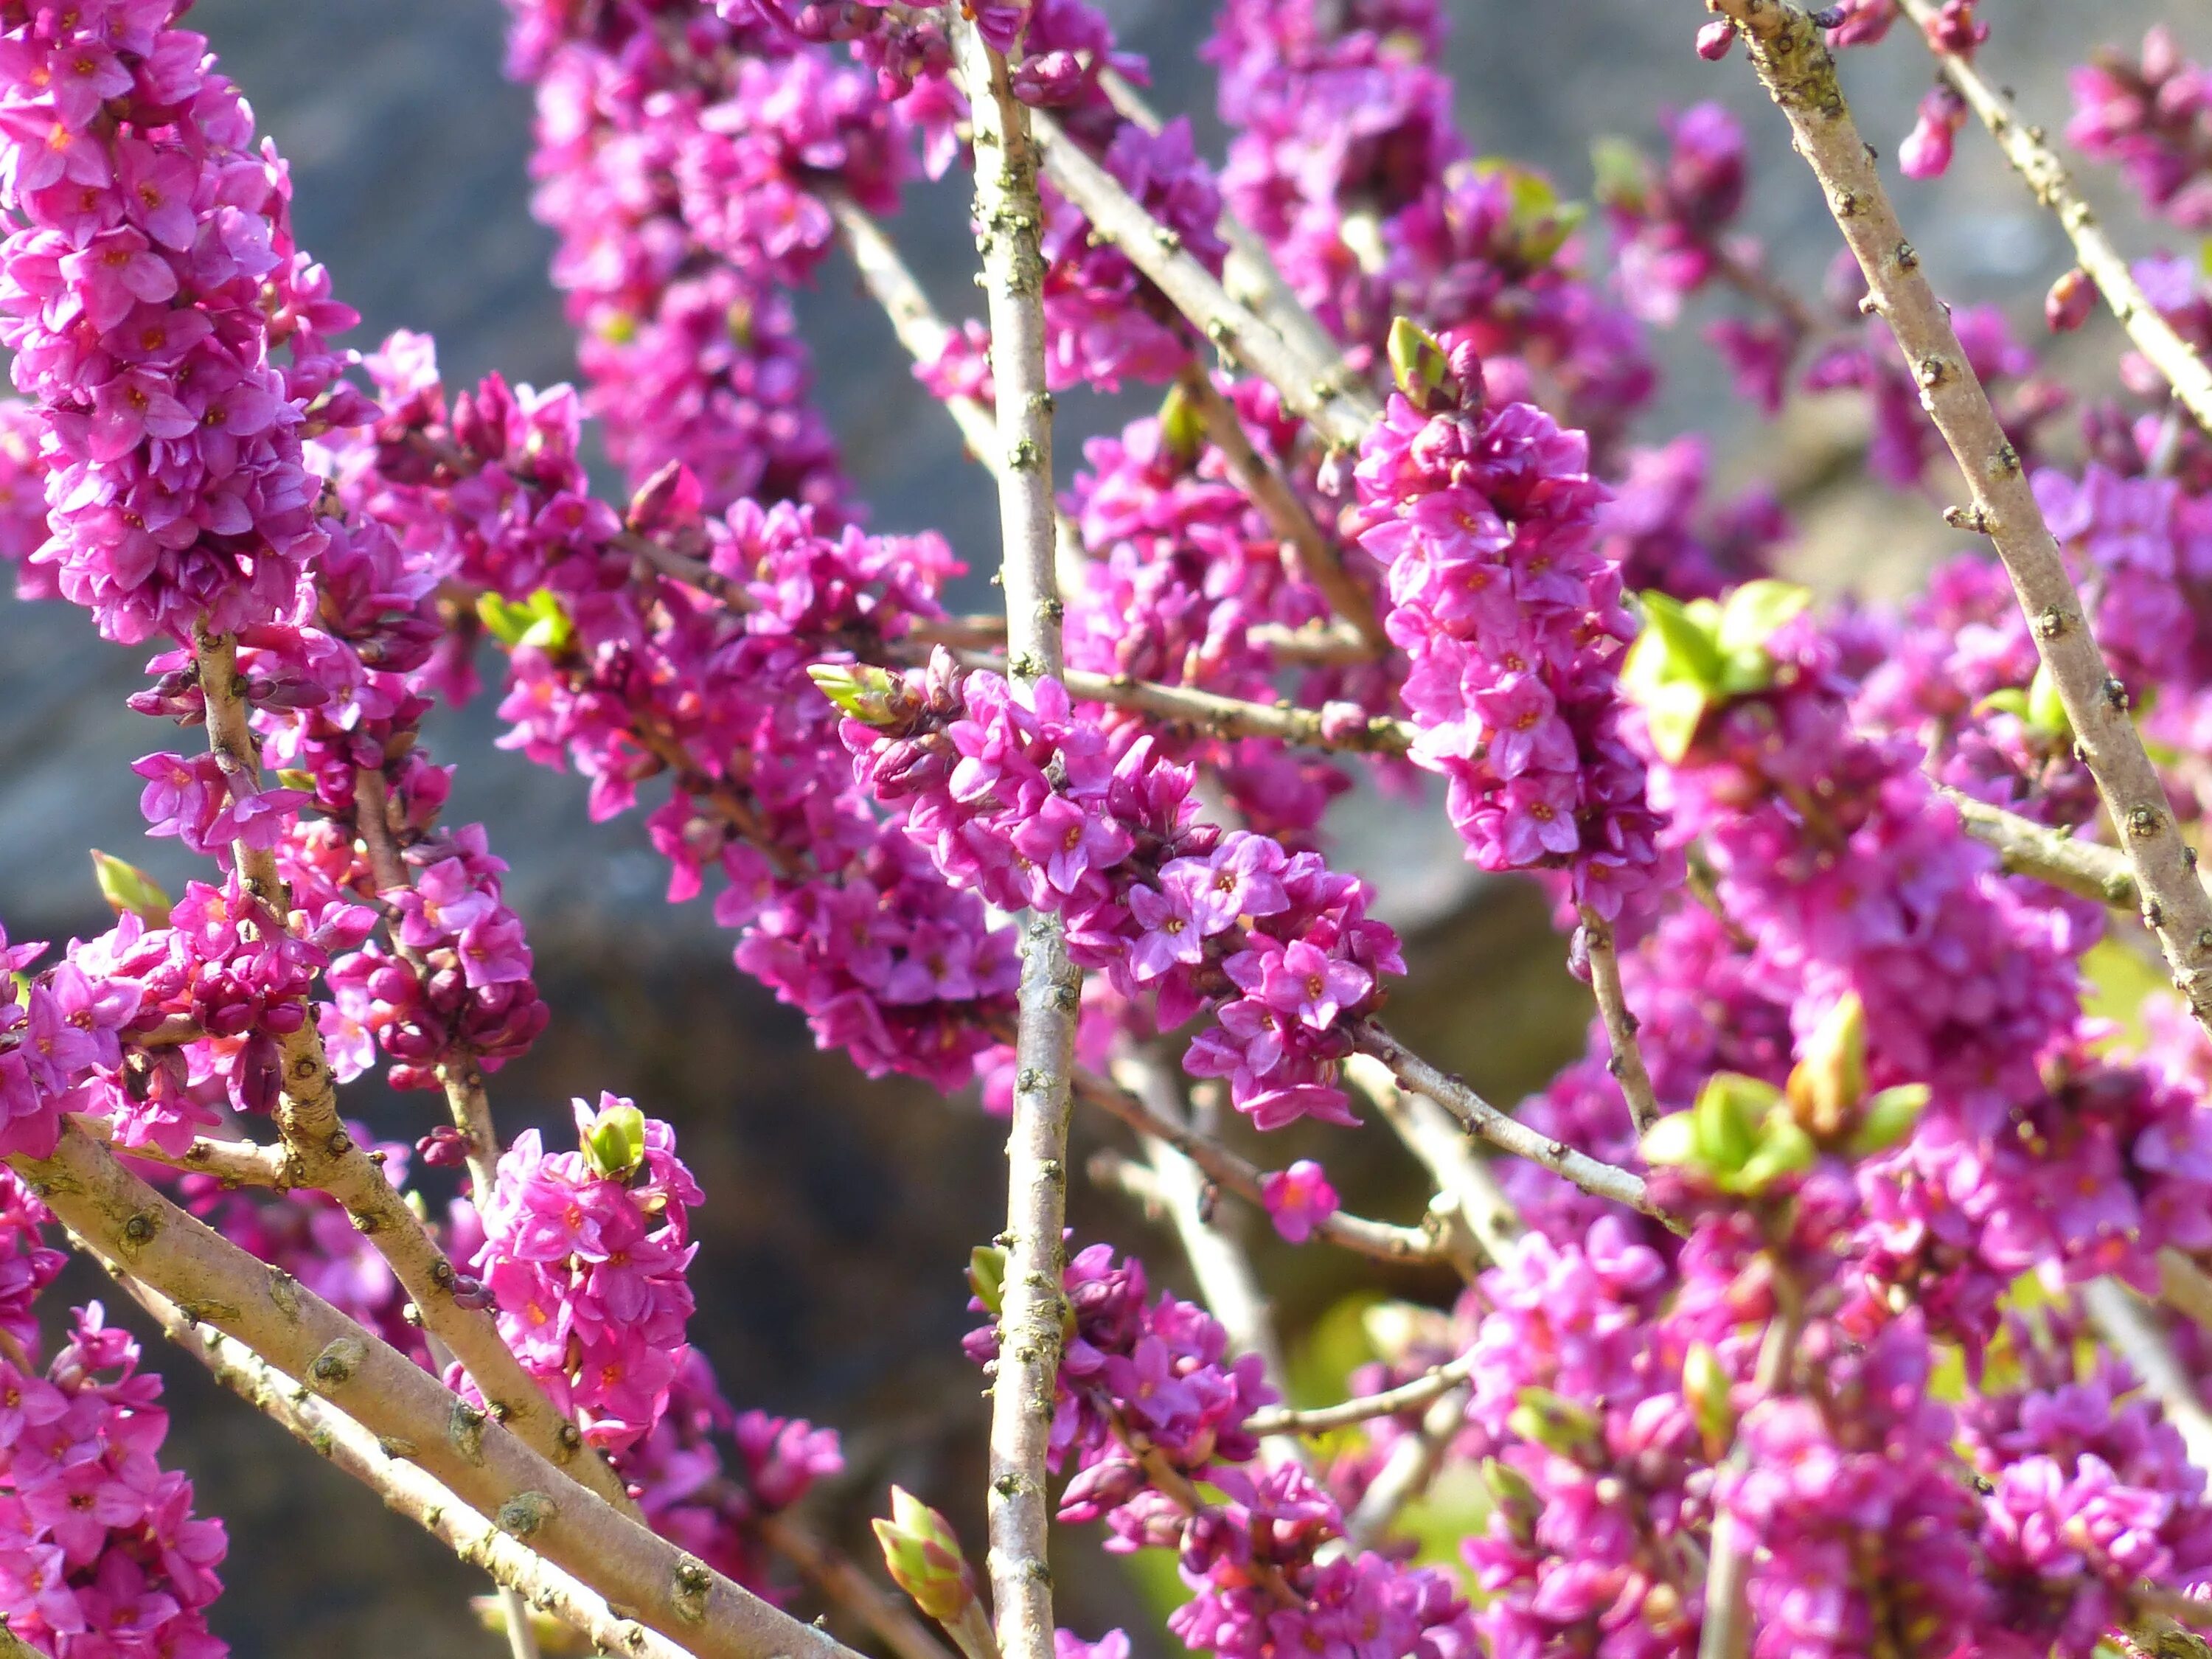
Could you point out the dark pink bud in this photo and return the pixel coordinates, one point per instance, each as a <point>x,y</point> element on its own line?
<point>2067,306</point>
<point>1715,39</point>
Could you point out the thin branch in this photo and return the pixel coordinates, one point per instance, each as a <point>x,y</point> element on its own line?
<point>414,1416</point>
<point>235,1163</point>
<point>2046,178</point>
<point>2184,1287</point>
<point>331,1160</point>
<point>1387,1402</point>
<point>1251,273</point>
<point>839,1581</point>
<point>1465,1182</point>
<point>466,1101</point>
<point>1626,1063</point>
<point>1727,1633</point>
<point>1286,514</point>
<point>2025,848</point>
<point>528,1578</point>
<point>2134,1334</point>
<point>1478,1116</point>
<point>1376,1239</point>
<point>1024,1386</point>
<point>1313,389</point>
<point>1220,716</point>
<point>1793,59</point>
<point>1226,1283</point>
<point>1406,1473</point>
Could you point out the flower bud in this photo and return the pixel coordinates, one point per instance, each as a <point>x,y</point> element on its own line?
<point>129,890</point>
<point>923,1558</point>
<point>1831,1078</point>
<point>1518,1502</point>
<point>1715,38</point>
<point>1554,1422</point>
<point>1705,1387</point>
<point>870,696</point>
<point>1887,1119</point>
<point>1418,365</point>
<point>986,1276</point>
<point>2067,306</point>
<point>614,1141</point>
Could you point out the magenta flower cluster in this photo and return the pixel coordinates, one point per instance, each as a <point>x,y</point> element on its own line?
<point>586,1269</point>
<point>1028,804</point>
<point>1147,1383</point>
<point>1512,622</point>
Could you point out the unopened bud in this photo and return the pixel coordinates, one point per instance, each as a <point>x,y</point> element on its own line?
<point>130,891</point>
<point>1715,39</point>
<point>870,696</point>
<point>924,1559</point>
<point>1418,365</point>
<point>614,1141</point>
<point>2067,306</point>
<point>1831,1080</point>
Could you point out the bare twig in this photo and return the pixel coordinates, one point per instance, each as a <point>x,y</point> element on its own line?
<point>1793,59</point>
<point>2045,176</point>
<point>2025,848</point>
<point>1377,1239</point>
<point>1321,1419</point>
<point>1023,1386</point>
<point>1316,391</point>
<point>1286,515</point>
<point>470,1452</point>
<point>235,1163</point>
<point>1251,273</point>
<point>1626,1063</point>
<point>1226,717</point>
<point>467,1099</point>
<point>2184,1287</point>
<point>1465,1180</point>
<point>1480,1117</point>
<point>2135,1335</point>
<point>1407,1471</point>
<point>1727,1633</point>
<point>527,1578</point>
<point>330,1160</point>
<point>839,1581</point>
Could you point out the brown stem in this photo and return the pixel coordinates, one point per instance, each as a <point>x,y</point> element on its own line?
<point>1286,514</point>
<point>474,1454</point>
<point>1727,1633</point>
<point>467,1099</point>
<point>1412,1464</point>
<point>2046,178</point>
<point>1465,1182</point>
<point>1626,1063</point>
<point>2025,847</point>
<point>1025,1383</point>
<point>839,1581</point>
<point>1478,1116</point>
<point>1387,1402</point>
<point>1314,390</point>
<point>329,1158</point>
<point>1376,1239</point>
<point>235,1163</point>
<point>1793,59</point>
<point>531,1580</point>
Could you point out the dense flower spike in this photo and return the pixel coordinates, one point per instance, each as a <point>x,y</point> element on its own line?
<point>584,1253</point>
<point>2152,115</point>
<point>1512,619</point>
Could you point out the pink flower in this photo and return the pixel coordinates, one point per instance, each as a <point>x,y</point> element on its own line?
<point>1298,1199</point>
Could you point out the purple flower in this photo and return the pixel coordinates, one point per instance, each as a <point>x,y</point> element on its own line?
<point>1298,1199</point>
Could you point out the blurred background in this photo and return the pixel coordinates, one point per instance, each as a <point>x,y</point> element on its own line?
<point>841,1210</point>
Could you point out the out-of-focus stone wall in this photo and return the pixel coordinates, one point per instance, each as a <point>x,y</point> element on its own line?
<point>843,1211</point>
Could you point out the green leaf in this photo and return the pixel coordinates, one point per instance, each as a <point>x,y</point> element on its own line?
<point>1673,714</point>
<point>1622,173</point>
<point>1888,1118</point>
<point>1758,611</point>
<point>1705,1387</point>
<point>1727,1115</point>
<point>1183,427</point>
<point>986,1276</point>
<point>2010,701</point>
<point>1692,651</point>
<point>2045,713</point>
<point>130,891</point>
<point>869,694</point>
<point>1552,1420</point>
<point>1672,1142</point>
<point>1830,1077</point>
<point>540,621</point>
<point>1783,1149</point>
